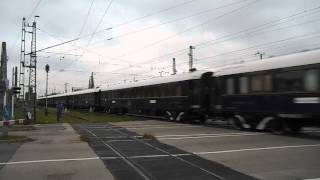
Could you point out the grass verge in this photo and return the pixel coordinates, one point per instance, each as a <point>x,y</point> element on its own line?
<point>12,139</point>
<point>21,128</point>
<point>75,116</point>
<point>148,136</point>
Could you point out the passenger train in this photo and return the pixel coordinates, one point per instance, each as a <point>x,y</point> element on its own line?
<point>279,94</point>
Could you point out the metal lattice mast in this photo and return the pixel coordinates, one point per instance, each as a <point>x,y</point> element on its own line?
<point>32,86</point>
<point>22,61</point>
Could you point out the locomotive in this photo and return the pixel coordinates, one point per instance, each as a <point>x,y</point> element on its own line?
<point>279,93</point>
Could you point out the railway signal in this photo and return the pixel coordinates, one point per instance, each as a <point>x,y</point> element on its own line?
<point>16,90</point>
<point>47,68</point>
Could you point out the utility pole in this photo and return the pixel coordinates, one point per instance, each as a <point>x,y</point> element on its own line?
<point>91,81</point>
<point>174,70</point>
<point>160,72</point>
<point>47,68</point>
<point>66,87</point>
<point>32,85</point>
<point>191,69</point>
<point>4,87</point>
<point>22,63</point>
<point>260,54</point>
<point>15,89</point>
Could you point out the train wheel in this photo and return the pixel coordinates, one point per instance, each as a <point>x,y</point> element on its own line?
<point>239,122</point>
<point>180,117</point>
<point>235,123</point>
<point>169,116</point>
<point>203,118</point>
<point>294,126</point>
<point>276,126</point>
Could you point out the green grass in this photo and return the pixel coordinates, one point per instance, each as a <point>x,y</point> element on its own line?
<point>21,127</point>
<point>14,138</point>
<point>74,116</point>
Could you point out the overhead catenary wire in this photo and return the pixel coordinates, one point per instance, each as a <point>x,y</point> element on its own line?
<point>151,14</point>
<point>86,18</point>
<point>170,21</point>
<point>188,29</point>
<point>27,19</point>
<point>242,32</point>
<point>316,34</point>
<point>164,23</point>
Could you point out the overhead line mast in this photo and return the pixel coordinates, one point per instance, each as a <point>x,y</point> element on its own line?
<point>30,99</point>
<point>22,62</point>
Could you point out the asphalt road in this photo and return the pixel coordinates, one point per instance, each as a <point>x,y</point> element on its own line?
<point>179,151</point>
<point>56,153</point>
<point>7,150</point>
<point>130,156</point>
<point>258,154</point>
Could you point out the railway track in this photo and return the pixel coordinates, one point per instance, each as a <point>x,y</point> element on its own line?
<point>126,154</point>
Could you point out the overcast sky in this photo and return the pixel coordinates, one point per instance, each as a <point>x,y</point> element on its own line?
<point>139,38</point>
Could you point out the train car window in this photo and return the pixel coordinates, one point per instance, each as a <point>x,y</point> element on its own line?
<point>257,83</point>
<point>230,86</point>
<point>311,80</point>
<point>267,83</point>
<point>290,81</point>
<point>243,85</point>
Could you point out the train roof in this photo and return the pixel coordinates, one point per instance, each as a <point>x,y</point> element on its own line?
<point>291,60</point>
<point>154,81</point>
<point>158,80</point>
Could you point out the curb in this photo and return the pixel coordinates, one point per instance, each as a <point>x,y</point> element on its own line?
<point>12,122</point>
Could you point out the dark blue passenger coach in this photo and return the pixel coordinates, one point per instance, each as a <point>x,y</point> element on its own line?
<point>276,93</point>
<point>280,93</point>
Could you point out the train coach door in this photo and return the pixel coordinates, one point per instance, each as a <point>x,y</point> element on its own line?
<point>205,90</point>
<point>194,93</point>
<point>97,100</point>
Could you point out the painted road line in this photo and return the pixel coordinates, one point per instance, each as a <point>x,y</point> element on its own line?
<point>162,127</point>
<point>177,157</point>
<point>124,158</point>
<point>87,159</point>
<point>121,140</point>
<point>214,136</point>
<point>205,134</point>
<point>49,160</point>
<point>257,149</point>
<point>160,155</point>
<point>114,137</point>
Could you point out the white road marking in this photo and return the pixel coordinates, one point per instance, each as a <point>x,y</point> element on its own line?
<point>313,179</point>
<point>162,127</point>
<point>122,140</point>
<point>49,160</point>
<point>178,157</point>
<point>213,136</point>
<point>191,135</point>
<point>160,155</point>
<point>187,135</point>
<point>115,137</point>
<point>257,149</point>
<point>119,154</point>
